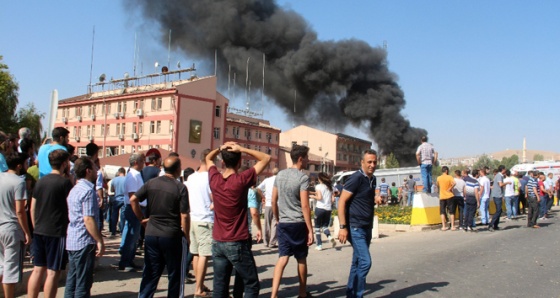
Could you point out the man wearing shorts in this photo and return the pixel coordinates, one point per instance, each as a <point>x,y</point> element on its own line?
<point>14,231</point>
<point>49,215</point>
<point>384,191</point>
<point>290,206</point>
<point>445,184</point>
<point>202,222</point>
<point>231,248</point>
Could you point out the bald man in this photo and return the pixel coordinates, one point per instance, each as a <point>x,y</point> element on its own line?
<point>167,224</point>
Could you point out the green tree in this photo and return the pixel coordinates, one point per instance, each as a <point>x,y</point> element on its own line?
<point>391,162</point>
<point>509,162</point>
<point>538,157</point>
<point>8,99</point>
<point>484,161</point>
<point>30,117</point>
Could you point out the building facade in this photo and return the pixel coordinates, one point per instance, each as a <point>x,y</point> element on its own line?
<point>185,116</point>
<point>332,152</point>
<point>256,134</point>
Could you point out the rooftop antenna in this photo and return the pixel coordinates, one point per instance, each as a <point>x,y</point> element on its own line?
<point>385,45</point>
<point>169,48</point>
<point>135,49</point>
<point>179,67</point>
<point>234,84</point>
<point>91,64</point>
<point>215,62</point>
<point>247,81</point>
<point>262,91</point>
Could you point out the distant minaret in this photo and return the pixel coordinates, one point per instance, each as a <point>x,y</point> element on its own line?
<point>524,149</point>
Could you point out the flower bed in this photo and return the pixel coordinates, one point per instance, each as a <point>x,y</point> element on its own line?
<point>393,214</point>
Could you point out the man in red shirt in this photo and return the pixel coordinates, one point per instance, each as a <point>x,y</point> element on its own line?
<point>232,243</point>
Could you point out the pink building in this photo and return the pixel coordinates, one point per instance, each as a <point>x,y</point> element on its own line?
<point>256,134</point>
<point>329,152</point>
<point>184,115</point>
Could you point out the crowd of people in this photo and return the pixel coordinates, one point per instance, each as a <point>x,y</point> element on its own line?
<point>55,204</point>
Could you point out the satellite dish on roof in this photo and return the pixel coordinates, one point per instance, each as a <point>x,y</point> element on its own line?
<point>126,75</point>
<point>102,78</point>
<point>164,69</point>
<point>156,64</point>
<point>179,64</point>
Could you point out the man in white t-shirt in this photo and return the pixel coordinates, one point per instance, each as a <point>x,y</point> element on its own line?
<point>485,198</point>
<point>509,195</point>
<point>202,223</point>
<point>133,181</point>
<point>265,188</point>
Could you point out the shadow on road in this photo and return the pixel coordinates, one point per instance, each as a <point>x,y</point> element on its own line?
<point>418,289</point>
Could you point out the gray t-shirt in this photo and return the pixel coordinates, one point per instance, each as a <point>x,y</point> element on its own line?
<point>12,189</point>
<point>411,184</point>
<point>497,191</point>
<point>290,182</point>
<point>459,187</point>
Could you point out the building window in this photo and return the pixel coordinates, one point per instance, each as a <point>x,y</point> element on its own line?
<point>269,136</point>
<point>78,111</point>
<point>158,127</point>
<point>235,132</point>
<point>170,126</point>
<point>159,103</point>
<point>102,130</point>
<point>118,129</point>
<point>140,128</point>
<point>134,127</point>
<point>88,130</point>
<point>218,111</point>
<point>93,130</point>
<point>153,104</point>
<point>294,143</point>
<point>152,127</point>
<point>75,130</point>
<point>305,143</point>
<point>258,135</point>
<point>216,133</point>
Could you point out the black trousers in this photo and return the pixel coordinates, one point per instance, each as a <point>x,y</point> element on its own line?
<point>470,205</point>
<point>533,212</point>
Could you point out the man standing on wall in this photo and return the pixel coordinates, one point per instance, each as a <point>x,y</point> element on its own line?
<point>355,212</point>
<point>426,157</point>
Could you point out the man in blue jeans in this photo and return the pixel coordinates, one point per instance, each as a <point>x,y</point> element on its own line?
<point>83,236</point>
<point>231,248</point>
<point>426,157</point>
<point>131,232</point>
<point>117,202</point>
<point>355,201</point>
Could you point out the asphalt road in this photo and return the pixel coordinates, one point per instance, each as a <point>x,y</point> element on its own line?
<point>512,262</point>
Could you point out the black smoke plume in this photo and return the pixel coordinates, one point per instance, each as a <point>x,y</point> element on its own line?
<point>337,82</point>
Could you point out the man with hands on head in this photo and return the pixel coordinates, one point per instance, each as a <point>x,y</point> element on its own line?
<point>355,213</point>
<point>231,248</point>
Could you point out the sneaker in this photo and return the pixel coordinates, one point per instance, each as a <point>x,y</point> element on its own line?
<point>333,241</point>
<point>318,247</point>
<point>471,229</point>
<point>127,269</point>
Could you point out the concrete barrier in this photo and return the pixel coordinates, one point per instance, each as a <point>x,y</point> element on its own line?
<point>425,209</point>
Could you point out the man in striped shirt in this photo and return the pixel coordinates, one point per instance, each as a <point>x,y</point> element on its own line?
<point>83,236</point>
<point>533,200</point>
<point>472,199</point>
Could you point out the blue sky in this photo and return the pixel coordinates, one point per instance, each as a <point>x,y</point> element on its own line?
<point>478,75</point>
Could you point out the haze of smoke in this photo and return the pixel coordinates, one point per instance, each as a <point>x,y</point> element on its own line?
<point>337,82</point>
